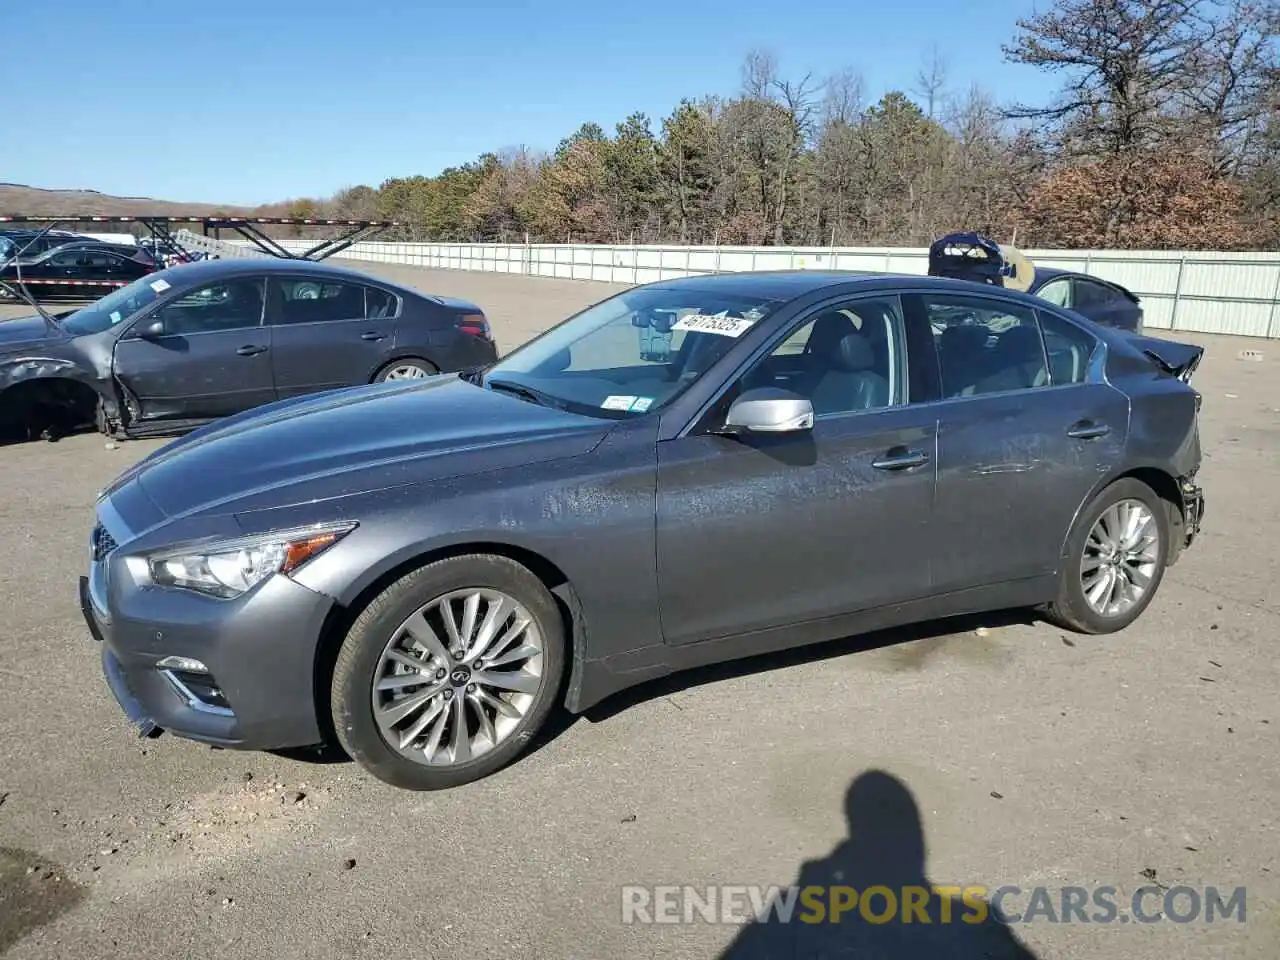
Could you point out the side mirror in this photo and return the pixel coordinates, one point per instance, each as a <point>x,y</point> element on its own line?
<point>152,330</point>
<point>770,410</point>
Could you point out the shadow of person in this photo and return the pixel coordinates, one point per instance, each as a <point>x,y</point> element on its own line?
<point>902,918</point>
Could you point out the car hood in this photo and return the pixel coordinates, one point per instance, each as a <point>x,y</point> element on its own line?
<point>25,332</point>
<point>355,440</point>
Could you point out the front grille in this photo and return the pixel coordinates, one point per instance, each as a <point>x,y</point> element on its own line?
<point>101,543</point>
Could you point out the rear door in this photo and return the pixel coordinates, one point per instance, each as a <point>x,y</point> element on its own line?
<point>327,333</point>
<point>1026,428</point>
<point>211,358</point>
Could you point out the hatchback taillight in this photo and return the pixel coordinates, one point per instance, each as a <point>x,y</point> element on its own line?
<point>475,325</point>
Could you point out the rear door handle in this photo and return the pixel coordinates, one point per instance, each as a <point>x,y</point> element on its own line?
<point>898,459</point>
<point>1088,430</point>
<point>373,336</point>
<point>251,350</point>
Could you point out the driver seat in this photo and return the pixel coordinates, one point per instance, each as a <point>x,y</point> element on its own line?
<point>850,381</point>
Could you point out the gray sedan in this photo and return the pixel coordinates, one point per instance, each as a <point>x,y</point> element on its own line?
<point>688,472</point>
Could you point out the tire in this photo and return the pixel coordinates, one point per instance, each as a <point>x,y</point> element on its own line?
<point>406,368</point>
<point>362,662</point>
<point>1072,609</point>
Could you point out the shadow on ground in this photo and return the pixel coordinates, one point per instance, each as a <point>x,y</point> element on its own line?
<point>885,849</point>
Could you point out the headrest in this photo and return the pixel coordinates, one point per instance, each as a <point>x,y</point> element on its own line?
<point>854,353</point>
<point>1020,345</point>
<point>827,331</point>
<point>964,335</point>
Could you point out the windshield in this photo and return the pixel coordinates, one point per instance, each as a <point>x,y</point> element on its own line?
<point>117,307</point>
<point>631,354</point>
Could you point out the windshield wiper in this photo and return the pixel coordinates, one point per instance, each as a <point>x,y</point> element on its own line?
<point>527,393</point>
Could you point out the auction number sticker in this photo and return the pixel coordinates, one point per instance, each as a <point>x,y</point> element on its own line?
<point>719,324</point>
<point>159,286</point>
<point>618,403</point>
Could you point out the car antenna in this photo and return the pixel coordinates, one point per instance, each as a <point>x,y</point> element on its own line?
<point>21,292</point>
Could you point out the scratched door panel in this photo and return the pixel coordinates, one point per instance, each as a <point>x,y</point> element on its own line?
<point>1010,479</point>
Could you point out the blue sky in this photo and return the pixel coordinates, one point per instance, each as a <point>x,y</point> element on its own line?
<point>247,102</point>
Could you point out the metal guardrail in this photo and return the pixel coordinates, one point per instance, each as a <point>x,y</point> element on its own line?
<point>1204,292</point>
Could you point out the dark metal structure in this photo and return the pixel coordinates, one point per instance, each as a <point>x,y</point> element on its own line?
<point>161,229</point>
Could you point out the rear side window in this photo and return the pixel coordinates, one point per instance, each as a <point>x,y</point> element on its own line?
<point>985,345</point>
<point>319,301</point>
<point>1069,349</point>
<point>379,304</point>
<point>1089,294</point>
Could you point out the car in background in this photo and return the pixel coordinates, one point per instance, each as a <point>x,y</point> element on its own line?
<point>423,572</point>
<point>131,250</point>
<point>1102,301</point>
<point>32,243</point>
<point>972,256</point>
<point>79,270</point>
<point>190,344</point>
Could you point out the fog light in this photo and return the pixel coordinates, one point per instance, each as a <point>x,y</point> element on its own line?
<point>185,664</point>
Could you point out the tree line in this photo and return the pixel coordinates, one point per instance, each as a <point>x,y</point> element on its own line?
<point>1164,134</point>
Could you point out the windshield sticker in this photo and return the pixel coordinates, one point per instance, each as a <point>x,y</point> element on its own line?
<point>642,404</point>
<point>617,403</point>
<point>115,317</point>
<point>720,324</point>
<point>159,286</point>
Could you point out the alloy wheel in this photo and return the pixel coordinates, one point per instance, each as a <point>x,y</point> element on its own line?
<point>1120,557</point>
<point>457,677</point>
<point>406,371</point>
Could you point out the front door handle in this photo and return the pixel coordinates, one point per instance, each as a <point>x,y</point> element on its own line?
<point>1088,430</point>
<point>900,459</point>
<point>373,336</point>
<point>251,350</point>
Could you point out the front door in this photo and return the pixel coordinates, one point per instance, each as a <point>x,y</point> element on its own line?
<point>756,532</point>
<point>1026,432</point>
<point>327,334</point>
<point>210,356</point>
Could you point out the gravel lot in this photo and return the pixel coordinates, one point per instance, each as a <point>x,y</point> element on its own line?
<point>1035,758</point>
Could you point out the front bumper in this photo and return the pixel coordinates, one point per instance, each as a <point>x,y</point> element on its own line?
<point>259,652</point>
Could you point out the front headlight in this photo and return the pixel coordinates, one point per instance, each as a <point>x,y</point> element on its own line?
<point>227,568</point>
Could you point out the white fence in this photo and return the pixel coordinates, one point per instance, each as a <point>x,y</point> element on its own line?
<point>1227,293</point>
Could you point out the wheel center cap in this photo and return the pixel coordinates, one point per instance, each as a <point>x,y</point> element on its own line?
<point>460,676</point>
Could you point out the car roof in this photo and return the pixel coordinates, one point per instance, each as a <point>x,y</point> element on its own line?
<point>209,270</point>
<point>785,285</point>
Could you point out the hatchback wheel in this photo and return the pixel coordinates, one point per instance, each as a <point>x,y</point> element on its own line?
<point>1116,558</point>
<point>449,673</point>
<point>408,369</point>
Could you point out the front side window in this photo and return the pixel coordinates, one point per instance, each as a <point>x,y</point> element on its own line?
<point>319,301</point>
<point>231,305</point>
<point>844,360</point>
<point>985,345</point>
<point>632,353</point>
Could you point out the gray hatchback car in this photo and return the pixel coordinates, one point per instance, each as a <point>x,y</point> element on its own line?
<point>688,472</point>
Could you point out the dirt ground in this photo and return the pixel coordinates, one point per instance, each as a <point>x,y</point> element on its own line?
<point>1032,758</point>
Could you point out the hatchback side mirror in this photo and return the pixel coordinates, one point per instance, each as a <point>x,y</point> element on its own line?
<point>770,410</point>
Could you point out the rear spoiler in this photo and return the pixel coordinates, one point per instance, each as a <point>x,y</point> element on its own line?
<point>1176,359</point>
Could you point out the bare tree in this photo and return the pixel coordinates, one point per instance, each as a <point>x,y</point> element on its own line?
<point>931,81</point>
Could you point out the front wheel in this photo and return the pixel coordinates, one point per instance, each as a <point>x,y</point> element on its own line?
<point>1116,558</point>
<point>449,673</point>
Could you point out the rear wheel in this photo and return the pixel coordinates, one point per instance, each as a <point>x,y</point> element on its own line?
<point>449,673</point>
<point>408,368</point>
<point>1116,558</point>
